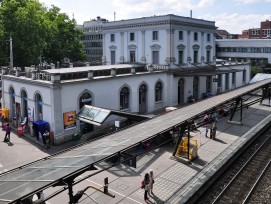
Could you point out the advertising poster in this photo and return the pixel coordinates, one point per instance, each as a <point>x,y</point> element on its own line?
<point>30,114</point>
<point>69,120</point>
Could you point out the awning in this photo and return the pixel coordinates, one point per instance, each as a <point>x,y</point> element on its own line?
<point>96,116</point>
<point>93,115</point>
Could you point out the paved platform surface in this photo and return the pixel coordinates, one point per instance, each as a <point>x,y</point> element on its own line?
<point>175,182</point>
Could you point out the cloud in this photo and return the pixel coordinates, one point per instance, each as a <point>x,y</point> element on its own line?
<point>251,1</point>
<point>235,23</point>
<point>139,8</point>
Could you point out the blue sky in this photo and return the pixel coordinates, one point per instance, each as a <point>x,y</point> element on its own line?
<point>231,15</point>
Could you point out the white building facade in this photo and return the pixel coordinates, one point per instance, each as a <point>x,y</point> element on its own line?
<point>258,50</point>
<point>159,40</point>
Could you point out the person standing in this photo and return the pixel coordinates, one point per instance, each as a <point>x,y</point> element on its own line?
<point>214,130</point>
<point>7,136</point>
<point>146,186</point>
<point>150,190</point>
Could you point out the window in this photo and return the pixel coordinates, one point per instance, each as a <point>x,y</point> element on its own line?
<point>85,99</point>
<point>208,56</point>
<point>132,56</point>
<point>195,56</point>
<point>195,36</point>
<point>180,57</point>
<point>113,57</point>
<point>219,83</point>
<point>112,37</point>
<point>158,91</point>
<point>132,36</point>
<point>154,35</point>
<point>244,76</point>
<point>208,37</point>
<point>180,35</point>
<point>155,57</point>
<point>124,98</point>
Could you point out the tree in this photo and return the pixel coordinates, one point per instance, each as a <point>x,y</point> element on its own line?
<point>37,31</point>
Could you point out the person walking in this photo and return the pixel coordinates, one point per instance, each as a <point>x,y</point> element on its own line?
<point>150,190</point>
<point>146,186</point>
<point>214,128</point>
<point>206,130</point>
<point>7,136</point>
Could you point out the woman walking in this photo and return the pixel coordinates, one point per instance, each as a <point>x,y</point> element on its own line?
<point>146,186</point>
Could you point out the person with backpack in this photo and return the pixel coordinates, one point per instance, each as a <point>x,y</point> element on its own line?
<point>7,136</point>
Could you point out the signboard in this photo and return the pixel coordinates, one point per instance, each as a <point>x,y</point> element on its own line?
<point>215,79</point>
<point>30,114</point>
<point>69,119</point>
<point>131,162</point>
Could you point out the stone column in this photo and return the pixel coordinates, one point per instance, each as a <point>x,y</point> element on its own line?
<point>113,72</point>
<point>202,48</point>
<point>122,47</point>
<point>55,77</point>
<point>33,75</point>
<point>104,51</point>
<point>189,48</point>
<point>4,71</point>
<point>170,46</point>
<point>18,72</point>
<point>87,64</point>
<point>143,45</point>
<point>90,74</point>
<point>133,70</point>
<point>71,65</point>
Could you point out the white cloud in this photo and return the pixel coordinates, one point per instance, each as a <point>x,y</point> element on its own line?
<point>235,23</point>
<point>251,1</point>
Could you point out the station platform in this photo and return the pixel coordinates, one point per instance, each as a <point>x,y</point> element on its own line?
<point>177,181</point>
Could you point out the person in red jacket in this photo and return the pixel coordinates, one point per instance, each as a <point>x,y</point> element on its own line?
<point>7,136</point>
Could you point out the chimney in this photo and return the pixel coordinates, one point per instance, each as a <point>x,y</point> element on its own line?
<point>71,65</point>
<point>53,66</point>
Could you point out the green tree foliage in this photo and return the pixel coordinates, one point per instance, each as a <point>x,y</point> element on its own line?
<point>38,31</point>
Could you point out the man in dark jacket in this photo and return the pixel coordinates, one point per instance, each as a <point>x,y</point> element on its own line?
<point>7,136</point>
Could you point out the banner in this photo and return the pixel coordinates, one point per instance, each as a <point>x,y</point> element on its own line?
<point>69,119</point>
<point>30,114</point>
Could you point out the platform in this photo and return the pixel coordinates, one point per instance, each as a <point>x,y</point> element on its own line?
<point>175,181</point>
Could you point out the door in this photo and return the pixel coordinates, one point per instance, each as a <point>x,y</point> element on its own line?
<point>181,92</point>
<point>113,57</point>
<point>208,85</point>
<point>143,99</point>
<point>196,88</point>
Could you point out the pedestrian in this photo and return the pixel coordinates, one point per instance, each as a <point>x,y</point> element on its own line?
<point>211,132</point>
<point>214,128</point>
<point>206,130</point>
<point>47,139</point>
<point>146,186</point>
<point>7,136</point>
<point>150,190</point>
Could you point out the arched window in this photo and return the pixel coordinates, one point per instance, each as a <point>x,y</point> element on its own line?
<point>85,99</point>
<point>38,102</point>
<point>158,91</point>
<point>12,102</point>
<point>24,104</point>
<point>124,98</point>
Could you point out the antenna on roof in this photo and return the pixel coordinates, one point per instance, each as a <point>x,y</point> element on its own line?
<point>190,13</point>
<point>114,15</point>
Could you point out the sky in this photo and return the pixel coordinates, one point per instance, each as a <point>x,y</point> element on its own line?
<point>231,15</point>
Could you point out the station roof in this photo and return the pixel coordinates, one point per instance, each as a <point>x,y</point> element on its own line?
<point>88,68</point>
<point>206,73</point>
<point>28,179</point>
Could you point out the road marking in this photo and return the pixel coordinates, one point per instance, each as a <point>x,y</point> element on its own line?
<point>113,191</point>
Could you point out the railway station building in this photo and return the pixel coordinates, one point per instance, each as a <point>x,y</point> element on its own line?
<point>148,64</point>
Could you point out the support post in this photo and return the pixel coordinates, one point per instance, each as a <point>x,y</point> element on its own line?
<point>188,142</point>
<point>70,193</point>
<point>180,136</point>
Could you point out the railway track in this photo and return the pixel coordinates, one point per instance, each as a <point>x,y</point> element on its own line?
<point>241,182</point>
